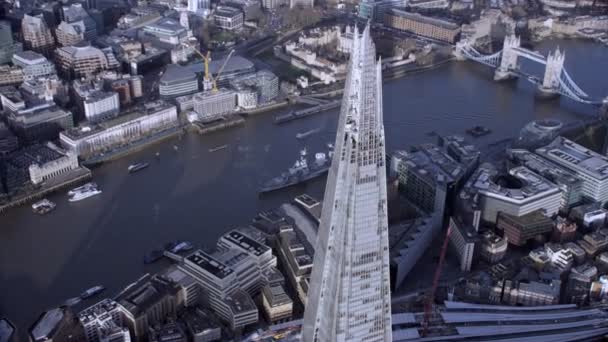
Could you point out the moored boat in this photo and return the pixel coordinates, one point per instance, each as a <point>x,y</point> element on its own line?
<point>92,292</point>
<point>43,207</point>
<point>137,166</point>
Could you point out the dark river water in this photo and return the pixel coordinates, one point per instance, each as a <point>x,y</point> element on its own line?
<point>197,195</point>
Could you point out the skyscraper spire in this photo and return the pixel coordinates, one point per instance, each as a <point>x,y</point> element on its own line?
<point>349,295</point>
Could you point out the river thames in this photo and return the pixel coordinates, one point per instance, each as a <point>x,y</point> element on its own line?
<point>192,194</point>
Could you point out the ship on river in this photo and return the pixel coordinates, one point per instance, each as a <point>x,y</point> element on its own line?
<point>301,171</point>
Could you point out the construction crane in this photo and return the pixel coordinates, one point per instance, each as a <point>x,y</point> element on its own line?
<point>219,73</point>
<point>210,82</point>
<point>207,79</point>
<point>428,305</point>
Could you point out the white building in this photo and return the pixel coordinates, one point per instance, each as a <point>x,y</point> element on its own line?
<point>101,105</point>
<point>247,97</point>
<point>52,163</point>
<point>34,65</point>
<point>590,167</point>
<point>532,193</point>
<point>228,18</point>
<point>349,295</point>
<point>462,240</point>
<point>211,105</point>
<point>221,289</point>
<point>93,139</point>
<point>97,319</point>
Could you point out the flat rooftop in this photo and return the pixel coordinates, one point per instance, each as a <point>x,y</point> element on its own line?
<point>240,302</point>
<point>533,186</point>
<point>576,158</point>
<point>543,166</point>
<point>226,11</point>
<point>209,264</point>
<point>246,243</point>
<point>46,324</point>
<point>90,129</point>
<point>430,162</point>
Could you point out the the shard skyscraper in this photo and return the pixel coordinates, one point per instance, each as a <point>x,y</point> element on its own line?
<point>349,295</point>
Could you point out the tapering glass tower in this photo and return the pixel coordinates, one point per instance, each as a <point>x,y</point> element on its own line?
<point>349,295</point>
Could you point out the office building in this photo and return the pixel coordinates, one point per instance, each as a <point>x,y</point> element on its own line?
<point>149,301</point>
<point>199,6</point>
<point>211,105</point>
<point>590,167</point>
<point>437,29</point>
<point>48,161</point>
<point>519,229</point>
<point>40,122</point>
<point>123,89</point>
<point>70,34</point>
<point>595,242</point>
<point>58,324</point>
<point>101,319</point>
<point>190,290</point>
<point>8,46</point>
<point>374,10</point>
<point>101,105</point>
<point>462,240</point>
<point>250,8</point>
<point>356,184</point>
<point>81,60</point>
<point>461,151</point>
<point>579,283</point>
<point>8,141</point>
<point>228,18</point>
<point>492,247</point>
<point>264,82</point>
<point>10,75</point>
<point>578,253</point>
<point>568,182</point>
<point>36,35</point>
<point>428,177</point>
<point>34,65</point>
<point>202,326</point>
<point>277,305</point>
<point>259,253</point>
<point>301,3</point>
<point>166,33</point>
<point>76,13</point>
<point>90,140</point>
<point>274,4</point>
<point>222,288</point>
<point>177,81</point>
<point>169,332</point>
<point>532,293</point>
<point>296,258</point>
<point>517,193</point>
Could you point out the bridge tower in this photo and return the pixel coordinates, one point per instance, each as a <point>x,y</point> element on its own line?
<point>553,73</point>
<point>508,61</point>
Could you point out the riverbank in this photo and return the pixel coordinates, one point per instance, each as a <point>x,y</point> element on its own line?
<point>133,147</point>
<point>50,186</point>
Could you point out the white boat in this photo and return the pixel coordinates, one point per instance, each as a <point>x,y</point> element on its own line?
<point>215,149</point>
<point>84,193</point>
<point>307,133</point>
<point>81,188</point>
<point>42,207</point>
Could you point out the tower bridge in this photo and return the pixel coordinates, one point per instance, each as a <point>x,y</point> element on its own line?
<point>555,81</point>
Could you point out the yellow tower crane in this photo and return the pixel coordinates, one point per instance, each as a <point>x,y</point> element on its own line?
<point>209,82</point>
